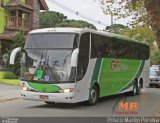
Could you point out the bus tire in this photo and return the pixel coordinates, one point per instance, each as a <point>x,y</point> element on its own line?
<point>49,103</point>
<point>134,90</point>
<point>94,95</point>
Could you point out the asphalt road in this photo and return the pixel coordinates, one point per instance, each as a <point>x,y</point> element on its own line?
<point>148,105</point>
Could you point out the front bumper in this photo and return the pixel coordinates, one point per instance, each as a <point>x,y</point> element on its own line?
<point>52,97</point>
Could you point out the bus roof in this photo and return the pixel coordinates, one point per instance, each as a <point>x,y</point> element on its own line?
<point>83,30</point>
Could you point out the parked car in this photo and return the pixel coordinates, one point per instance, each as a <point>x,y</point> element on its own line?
<point>154,76</point>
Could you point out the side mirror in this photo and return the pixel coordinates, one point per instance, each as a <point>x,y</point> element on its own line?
<point>13,54</point>
<point>74,57</point>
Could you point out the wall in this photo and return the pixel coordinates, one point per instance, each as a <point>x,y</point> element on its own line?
<point>36,14</point>
<point>35,17</point>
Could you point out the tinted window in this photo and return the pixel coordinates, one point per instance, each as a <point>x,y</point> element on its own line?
<point>103,46</point>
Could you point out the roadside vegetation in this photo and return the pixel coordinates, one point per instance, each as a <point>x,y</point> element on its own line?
<point>8,77</point>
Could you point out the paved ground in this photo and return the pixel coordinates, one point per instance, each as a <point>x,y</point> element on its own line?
<point>9,92</point>
<point>148,105</point>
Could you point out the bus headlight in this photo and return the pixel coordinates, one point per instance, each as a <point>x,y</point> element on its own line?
<point>67,90</point>
<point>24,88</point>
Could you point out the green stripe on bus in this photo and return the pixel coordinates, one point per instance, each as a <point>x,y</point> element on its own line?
<point>137,76</point>
<point>47,88</point>
<point>116,74</point>
<point>95,72</point>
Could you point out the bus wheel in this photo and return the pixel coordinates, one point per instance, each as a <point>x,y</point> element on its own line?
<point>49,103</point>
<point>134,91</point>
<point>138,89</point>
<point>93,96</point>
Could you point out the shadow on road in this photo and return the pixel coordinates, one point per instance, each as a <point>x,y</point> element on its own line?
<point>101,101</point>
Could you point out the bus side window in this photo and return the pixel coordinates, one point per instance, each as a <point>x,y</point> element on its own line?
<point>83,57</point>
<point>80,67</point>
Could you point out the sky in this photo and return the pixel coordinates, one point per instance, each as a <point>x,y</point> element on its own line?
<point>88,8</point>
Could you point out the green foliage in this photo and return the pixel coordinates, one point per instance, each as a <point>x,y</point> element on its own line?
<point>11,81</point>
<point>145,33</point>
<point>76,23</point>
<point>50,19</point>
<point>140,34</point>
<point>117,28</point>
<point>4,74</point>
<point>143,13</point>
<point>114,26</point>
<point>155,57</point>
<point>18,42</point>
<point>56,19</point>
<point>126,8</point>
<point>10,75</point>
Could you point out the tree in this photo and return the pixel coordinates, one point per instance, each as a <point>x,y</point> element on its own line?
<point>75,23</point>
<point>154,55</point>
<point>50,19</point>
<point>140,34</point>
<point>143,12</point>
<point>117,28</point>
<point>56,19</point>
<point>18,42</point>
<point>153,11</point>
<point>145,34</point>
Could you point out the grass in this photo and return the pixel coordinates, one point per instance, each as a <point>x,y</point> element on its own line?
<point>2,75</point>
<point>8,81</point>
<point>11,81</point>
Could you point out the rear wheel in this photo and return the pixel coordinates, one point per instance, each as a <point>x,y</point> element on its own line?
<point>138,89</point>
<point>134,90</point>
<point>94,95</point>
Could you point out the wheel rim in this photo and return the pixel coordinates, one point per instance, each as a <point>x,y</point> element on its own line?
<point>134,89</point>
<point>139,88</point>
<point>93,96</point>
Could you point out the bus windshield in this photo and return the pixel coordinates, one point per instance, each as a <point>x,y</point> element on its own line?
<point>51,40</point>
<point>48,58</point>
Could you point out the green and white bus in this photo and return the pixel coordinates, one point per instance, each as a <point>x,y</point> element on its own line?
<point>70,65</point>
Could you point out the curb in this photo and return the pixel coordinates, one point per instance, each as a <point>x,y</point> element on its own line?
<point>11,99</point>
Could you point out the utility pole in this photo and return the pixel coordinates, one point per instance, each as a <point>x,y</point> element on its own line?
<point>111,21</point>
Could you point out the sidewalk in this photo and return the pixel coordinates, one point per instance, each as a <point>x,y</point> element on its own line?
<point>9,92</point>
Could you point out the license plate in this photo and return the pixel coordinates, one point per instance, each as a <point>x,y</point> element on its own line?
<point>43,97</point>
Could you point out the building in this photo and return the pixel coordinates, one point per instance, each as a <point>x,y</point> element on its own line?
<point>16,15</point>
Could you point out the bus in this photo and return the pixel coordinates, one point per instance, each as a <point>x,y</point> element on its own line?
<point>71,65</point>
